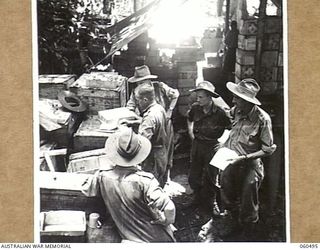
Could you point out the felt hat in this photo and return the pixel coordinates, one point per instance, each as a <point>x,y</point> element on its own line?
<point>126,148</point>
<point>207,86</point>
<point>141,73</point>
<point>246,89</point>
<point>71,101</point>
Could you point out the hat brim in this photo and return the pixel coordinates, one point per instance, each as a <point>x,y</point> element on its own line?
<point>234,89</point>
<point>67,94</point>
<point>116,158</point>
<point>138,79</point>
<point>213,94</point>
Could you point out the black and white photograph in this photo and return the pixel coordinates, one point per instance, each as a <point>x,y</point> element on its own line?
<point>160,121</point>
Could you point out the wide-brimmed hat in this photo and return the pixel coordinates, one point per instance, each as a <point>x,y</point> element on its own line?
<point>141,73</point>
<point>246,89</point>
<point>207,86</point>
<point>126,148</point>
<point>71,101</point>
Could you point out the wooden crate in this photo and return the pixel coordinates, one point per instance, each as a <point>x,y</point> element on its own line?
<point>88,135</point>
<point>248,26</point>
<point>111,95</point>
<point>245,57</point>
<point>88,162</point>
<point>51,85</point>
<point>268,88</point>
<point>43,163</point>
<point>187,75</point>
<point>63,226</point>
<point>244,71</point>
<point>246,42</point>
<point>271,41</point>
<point>62,191</point>
<point>182,83</point>
<point>269,58</point>
<point>186,66</point>
<point>268,74</point>
<point>273,24</point>
<point>280,74</point>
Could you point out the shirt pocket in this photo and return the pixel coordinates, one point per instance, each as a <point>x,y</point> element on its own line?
<point>250,135</point>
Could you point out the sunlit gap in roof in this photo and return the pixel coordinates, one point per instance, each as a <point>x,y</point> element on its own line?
<point>175,23</point>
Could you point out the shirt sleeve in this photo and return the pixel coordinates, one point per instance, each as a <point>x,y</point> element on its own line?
<point>155,195</point>
<point>131,104</point>
<point>266,137</point>
<point>190,114</point>
<point>147,127</point>
<point>171,93</point>
<point>91,186</point>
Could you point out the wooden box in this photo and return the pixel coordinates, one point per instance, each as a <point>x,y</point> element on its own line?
<point>245,57</point>
<point>273,24</point>
<point>111,94</point>
<point>88,162</point>
<point>268,74</point>
<point>43,163</point>
<point>280,59</point>
<point>186,66</point>
<point>280,74</point>
<point>182,83</point>
<point>268,88</point>
<point>63,226</point>
<point>271,41</point>
<point>188,54</point>
<point>269,59</point>
<point>244,71</point>
<point>187,75</point>
<point>62,191</point>
<point>247,42</point>
<point>51,85</point>
<point>89,136</point>
<point>248,26</point>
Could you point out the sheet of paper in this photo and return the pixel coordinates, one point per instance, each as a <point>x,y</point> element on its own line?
<point>220,159</point>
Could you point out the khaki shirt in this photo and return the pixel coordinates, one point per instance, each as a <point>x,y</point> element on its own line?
<point>126,192</point>
<point>163,95</point>
<point>251,133</point>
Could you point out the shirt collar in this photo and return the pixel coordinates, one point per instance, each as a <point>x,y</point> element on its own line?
<point>147,108</point>
<point>251,115</point>
<point>213,109</point>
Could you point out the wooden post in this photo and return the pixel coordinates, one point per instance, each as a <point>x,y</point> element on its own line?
<point>227,17</point>
<point>261,24</point>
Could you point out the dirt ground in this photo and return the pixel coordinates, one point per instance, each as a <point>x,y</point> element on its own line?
<point>190,218</point>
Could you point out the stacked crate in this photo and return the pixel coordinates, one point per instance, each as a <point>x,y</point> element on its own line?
<point>271,72</point>
<point>186,60</point>
<point>246,51</point>
<point>101,90</point>
<point>51,85</point>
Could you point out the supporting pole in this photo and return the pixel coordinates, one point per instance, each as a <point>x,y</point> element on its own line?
<point>227,17</point>
<point>261,24</point>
